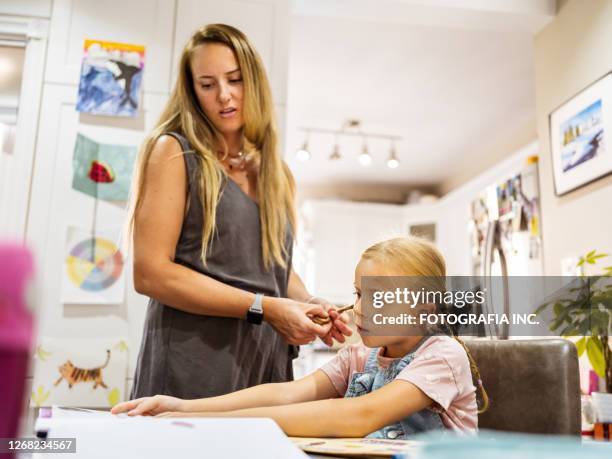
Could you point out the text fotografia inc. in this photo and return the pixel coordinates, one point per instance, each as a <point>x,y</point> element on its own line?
<point>451,319</point>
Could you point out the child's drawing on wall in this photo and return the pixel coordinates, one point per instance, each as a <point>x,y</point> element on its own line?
<point>111,77</point>
<point>87,373</point>
<point>74,375</point>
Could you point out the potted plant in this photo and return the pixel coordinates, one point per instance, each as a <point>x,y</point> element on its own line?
<point>586,311</point>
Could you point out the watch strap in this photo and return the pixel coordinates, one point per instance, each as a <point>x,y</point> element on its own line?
<point>255,312</point>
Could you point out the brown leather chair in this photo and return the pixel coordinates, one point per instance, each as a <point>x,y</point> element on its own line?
<point>533,385</point>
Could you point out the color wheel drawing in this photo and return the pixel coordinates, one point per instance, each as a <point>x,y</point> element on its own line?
<point>93,268</point>
<point>94,264</point>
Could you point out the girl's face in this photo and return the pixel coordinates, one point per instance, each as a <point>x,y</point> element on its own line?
<point>218,86</point>
<point>368,267</point>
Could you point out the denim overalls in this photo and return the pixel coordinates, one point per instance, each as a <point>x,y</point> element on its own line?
<point>373,378</point>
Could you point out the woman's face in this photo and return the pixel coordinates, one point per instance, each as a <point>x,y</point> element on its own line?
<point>218,86</point>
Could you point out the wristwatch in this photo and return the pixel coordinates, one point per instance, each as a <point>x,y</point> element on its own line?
<point>255,312</point>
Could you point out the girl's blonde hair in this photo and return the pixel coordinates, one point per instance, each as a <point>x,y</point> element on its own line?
<point>183,114</point>
<point>413,256</point>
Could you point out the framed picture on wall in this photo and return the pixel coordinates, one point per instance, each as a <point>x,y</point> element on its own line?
<point>580,132</point>
<point>426,231</point>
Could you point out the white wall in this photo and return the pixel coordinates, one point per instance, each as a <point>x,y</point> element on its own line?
<point>332,236</point>
<point>570,53</point>
<point>141,22</point>
<point>27,8</point>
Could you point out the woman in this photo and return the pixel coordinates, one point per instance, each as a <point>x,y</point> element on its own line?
<point>213,225</point>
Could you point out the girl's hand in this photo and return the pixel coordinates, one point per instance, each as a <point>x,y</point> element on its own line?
<point>196,414</point>
<point>292,320</point>
<point>174,414</point>
<point>339,329</point>
<point>150,406</point>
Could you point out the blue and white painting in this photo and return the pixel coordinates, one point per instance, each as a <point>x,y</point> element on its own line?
<point>111,78</point>
<point>582,137</point>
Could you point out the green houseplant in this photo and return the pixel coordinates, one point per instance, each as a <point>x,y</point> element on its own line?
<point>587,312</point>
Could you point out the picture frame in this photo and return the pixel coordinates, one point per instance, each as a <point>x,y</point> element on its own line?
<point>580,131</point>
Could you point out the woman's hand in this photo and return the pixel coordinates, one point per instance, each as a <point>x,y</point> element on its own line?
<point>292,320</point>
<point>150,406</point>
<point>339,329</point>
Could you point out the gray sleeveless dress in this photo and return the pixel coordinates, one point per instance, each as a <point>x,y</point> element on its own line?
<point>191,356</point>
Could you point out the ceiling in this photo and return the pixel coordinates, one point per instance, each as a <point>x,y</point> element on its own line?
<point>448,76</point>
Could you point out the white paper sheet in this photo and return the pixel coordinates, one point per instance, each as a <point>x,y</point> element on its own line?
<point>163,438</point>
<point>49,417</point>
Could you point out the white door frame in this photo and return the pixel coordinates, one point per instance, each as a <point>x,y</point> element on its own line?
<point>16,168</point>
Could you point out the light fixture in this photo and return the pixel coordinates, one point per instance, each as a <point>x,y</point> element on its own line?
<point>303,154</point>
<point>392,162</point>
<point>351,127</point>
<point>335,154</point>
<point>364,158</point>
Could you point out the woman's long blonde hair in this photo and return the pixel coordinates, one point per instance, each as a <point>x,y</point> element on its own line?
<point>182,114</point>
<point>413,256</point>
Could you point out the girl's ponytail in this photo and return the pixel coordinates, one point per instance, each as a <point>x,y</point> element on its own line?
<point>482,398</point>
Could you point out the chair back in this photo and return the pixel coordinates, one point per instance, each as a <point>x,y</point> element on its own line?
<point>533,385</point>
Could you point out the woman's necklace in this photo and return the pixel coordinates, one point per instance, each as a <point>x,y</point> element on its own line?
<point>237,162</point>
<point>239,169</point>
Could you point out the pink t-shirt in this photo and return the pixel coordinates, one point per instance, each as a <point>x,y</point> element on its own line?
<point>440,369</point>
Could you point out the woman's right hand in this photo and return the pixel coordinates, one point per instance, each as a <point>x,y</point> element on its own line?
<point>292,319</point>
<point>150,406</point>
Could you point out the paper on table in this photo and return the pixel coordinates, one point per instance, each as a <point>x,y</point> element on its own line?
<point>49,417</point>
<point>160,438</point>
<point>75,412</point>
<point>356,447</point>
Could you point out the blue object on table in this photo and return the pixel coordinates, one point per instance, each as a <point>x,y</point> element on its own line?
<point>507,445</point>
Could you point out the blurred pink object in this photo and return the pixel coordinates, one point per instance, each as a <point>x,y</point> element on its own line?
<point>593,382</point>
<point>16,333</point>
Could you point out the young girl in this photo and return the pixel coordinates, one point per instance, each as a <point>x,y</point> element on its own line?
<point>394,387</point>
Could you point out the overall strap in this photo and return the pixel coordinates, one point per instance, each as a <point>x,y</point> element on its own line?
<point>408,358</point>
<point>371,363</point>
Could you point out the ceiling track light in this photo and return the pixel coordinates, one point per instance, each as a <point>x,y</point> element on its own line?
<point>335,154</point>
<point>393,162</point>
<point>303,154</point>
<point>351,127</point>
<point>364,158</point>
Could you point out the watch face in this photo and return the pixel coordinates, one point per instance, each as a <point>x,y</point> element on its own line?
<point>254,317</point>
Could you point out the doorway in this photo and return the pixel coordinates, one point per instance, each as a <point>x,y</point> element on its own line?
<point>22,61</point>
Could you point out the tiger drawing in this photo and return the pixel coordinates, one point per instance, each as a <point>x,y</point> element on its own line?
<point>74,375</point>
